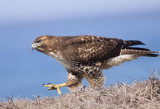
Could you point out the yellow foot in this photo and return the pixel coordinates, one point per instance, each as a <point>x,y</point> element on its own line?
<point>53,87</point>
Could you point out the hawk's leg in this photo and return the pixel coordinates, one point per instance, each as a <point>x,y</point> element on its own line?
<point>95,77</point>
<point>73,82</point>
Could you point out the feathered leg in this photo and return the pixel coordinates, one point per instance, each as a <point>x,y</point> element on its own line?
<point>96,80</point>
<point>94,76</point>
<point>74,80</point>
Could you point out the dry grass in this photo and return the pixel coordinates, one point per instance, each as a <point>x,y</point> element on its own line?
<point>139,95</point>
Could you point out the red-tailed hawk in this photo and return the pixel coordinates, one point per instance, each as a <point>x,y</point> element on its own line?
<point>87,55</point>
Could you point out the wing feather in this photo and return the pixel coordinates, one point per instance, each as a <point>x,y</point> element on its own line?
<point>90,48</point>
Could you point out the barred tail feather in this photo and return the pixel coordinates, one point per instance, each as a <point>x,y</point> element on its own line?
<point>140,52</point>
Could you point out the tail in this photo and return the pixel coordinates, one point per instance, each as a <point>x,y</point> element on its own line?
<point>131,43</point>
<point>136,50</point>
<point>140,52</point>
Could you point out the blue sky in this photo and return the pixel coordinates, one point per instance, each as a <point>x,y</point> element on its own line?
<point>22,71</point>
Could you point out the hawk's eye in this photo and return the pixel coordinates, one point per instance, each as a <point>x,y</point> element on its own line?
<point>39,41</point>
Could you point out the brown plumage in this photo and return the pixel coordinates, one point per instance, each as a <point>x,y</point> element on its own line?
<point>87,55</point>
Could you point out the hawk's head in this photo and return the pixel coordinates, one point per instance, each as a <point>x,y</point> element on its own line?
<point>40,43</point>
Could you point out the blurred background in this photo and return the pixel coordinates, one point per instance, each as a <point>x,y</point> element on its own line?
<point>22,71</point>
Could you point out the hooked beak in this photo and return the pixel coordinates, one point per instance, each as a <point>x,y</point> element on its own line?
<point>34,46</point>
